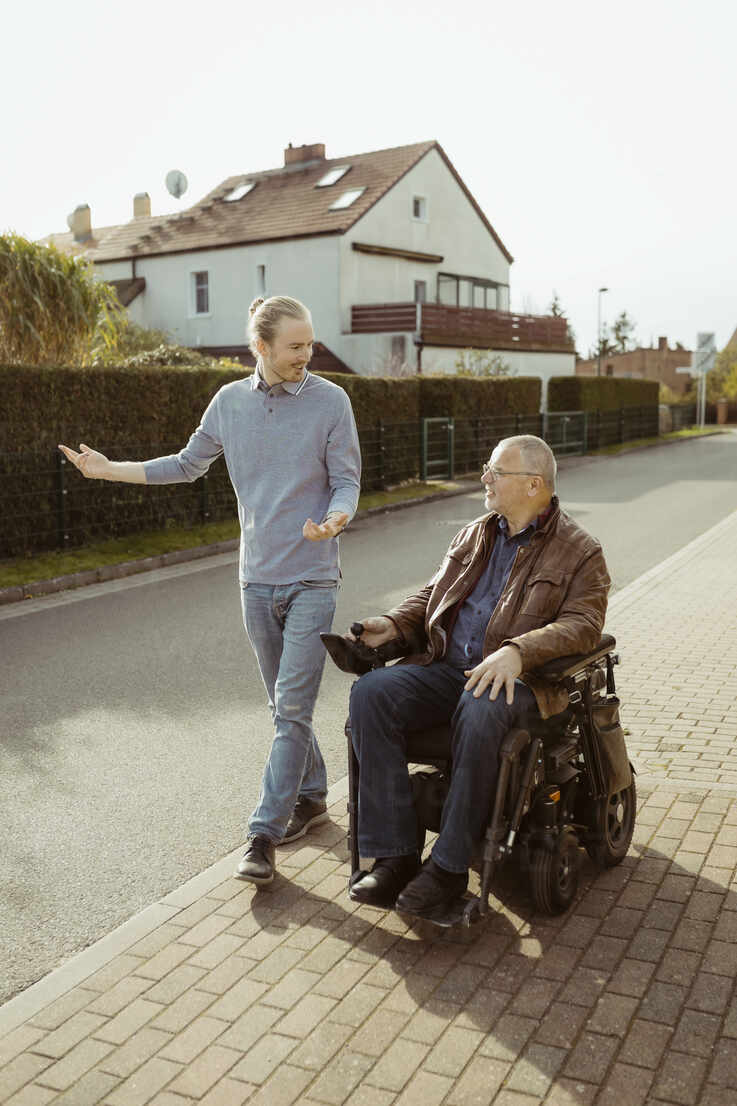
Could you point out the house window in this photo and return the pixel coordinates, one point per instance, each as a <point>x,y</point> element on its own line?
<point>420,291</point>
<point>419,208</point>
<point>260,280</point>
<point>346,199</point>
<point>333,176</point>
<point>460,291</point>
<point>201,292</point>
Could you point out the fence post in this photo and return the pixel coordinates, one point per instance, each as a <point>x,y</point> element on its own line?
<point>518,423</point>
<point>423,450</point>
<point>382,450</point>
<point>585,435</point>
<point>204,501</point>
<point>62,537</point>
<point>598,428</point>
<point>621,425</point>
<point>451,448</point>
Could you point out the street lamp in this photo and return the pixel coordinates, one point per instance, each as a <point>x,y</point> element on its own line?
<point>598,332</point>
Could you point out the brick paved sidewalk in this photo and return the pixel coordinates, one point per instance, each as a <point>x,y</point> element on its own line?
<point>222,995</point>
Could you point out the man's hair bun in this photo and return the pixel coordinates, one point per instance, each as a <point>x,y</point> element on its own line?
<point>270,312</point>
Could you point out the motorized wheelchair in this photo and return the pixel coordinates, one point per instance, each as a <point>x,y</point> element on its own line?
<point>564,782</point>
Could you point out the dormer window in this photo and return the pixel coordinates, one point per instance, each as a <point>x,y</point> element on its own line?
<point>347,199</point>
<point>333,176</point>
<point>239,192</point>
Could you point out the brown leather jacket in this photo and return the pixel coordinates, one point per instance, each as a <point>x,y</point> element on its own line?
<point>553,604</point>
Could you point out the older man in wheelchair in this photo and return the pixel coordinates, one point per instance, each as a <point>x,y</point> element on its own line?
<point>497,648</point>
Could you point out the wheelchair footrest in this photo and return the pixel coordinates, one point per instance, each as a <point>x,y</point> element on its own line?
<point>462,911</point>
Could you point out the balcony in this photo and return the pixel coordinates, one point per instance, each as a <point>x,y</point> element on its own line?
<point>464,327</point>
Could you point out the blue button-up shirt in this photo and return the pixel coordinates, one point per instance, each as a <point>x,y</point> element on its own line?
<point>465,648</point>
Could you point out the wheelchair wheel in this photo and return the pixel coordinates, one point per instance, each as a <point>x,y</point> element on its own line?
<point>554,874</point>
<point>612,823</point>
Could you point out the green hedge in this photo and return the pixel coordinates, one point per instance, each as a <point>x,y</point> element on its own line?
<point>378,399</point>
<point>109,407</point>
<point>600,393</point>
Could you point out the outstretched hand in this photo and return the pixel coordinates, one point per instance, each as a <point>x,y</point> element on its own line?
<point>500,669</point>
<point>90,462</point>
<point>330,528</point>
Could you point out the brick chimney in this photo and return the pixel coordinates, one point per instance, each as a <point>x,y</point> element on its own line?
<point>295,155</point>
<point>80,223</point>
<point>141,204</point>
<point>662,343</point>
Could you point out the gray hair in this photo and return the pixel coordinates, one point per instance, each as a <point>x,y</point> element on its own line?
<point>265,316</point>
<point>537,456</point>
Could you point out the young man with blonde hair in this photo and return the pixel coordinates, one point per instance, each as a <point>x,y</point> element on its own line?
<point>291,447</point>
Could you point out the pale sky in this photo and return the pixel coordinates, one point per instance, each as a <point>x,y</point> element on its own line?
<point>599,139</point>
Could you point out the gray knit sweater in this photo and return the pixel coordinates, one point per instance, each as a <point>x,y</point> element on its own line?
<point>292,453</point>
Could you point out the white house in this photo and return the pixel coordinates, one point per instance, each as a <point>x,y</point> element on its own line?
<point>394,257</point>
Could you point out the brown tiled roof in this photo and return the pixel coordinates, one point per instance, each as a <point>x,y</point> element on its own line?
<point>67,243</point>
<point>283,204</point>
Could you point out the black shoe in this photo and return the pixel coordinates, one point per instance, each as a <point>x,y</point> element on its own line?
<point>307,813</point>
<point>432,891</point>
<point>382,884</point>
<point>257,864</point>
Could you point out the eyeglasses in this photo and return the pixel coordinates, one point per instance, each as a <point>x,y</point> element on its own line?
<point>491,472</point>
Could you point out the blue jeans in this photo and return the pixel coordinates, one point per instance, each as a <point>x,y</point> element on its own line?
<point>388,703</point>
<point>283,623</point>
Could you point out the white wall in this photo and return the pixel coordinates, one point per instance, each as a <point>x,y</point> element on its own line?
<point>307,269</point>
<point>371,354</point>
<point>453,229</point>
<point>441,359</point>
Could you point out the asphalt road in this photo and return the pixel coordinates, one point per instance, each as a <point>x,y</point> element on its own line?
<point>134,727</point>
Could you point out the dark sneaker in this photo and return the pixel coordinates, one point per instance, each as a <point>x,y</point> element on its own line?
<point>307,813</point>
<point>432,891</point>
<point>382,884</point>
<point>257,864</point>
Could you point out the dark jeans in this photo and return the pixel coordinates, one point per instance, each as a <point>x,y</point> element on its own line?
<point>388,703</point>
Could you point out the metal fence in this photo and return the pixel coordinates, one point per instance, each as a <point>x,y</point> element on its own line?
<point>46,505</point>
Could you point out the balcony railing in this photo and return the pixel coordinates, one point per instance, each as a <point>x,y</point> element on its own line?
<point>463,326</point>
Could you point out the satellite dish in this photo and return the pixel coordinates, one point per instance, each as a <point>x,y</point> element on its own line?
<point>176,183</point>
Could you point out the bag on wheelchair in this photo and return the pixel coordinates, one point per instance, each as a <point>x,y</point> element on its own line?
<point>609,766</point>
<point>616,768</point>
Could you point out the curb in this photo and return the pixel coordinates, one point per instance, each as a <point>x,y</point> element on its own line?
<point>28,1003</point>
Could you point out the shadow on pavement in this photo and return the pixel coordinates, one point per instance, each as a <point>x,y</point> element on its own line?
<point>628,996</point>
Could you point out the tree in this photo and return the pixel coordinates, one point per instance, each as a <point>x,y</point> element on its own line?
<point>623,331</point>
<point>604,345</point>
<point>52,309</point>
<point>482,363</point>
<point>556,309</point>
<point>722,380</point>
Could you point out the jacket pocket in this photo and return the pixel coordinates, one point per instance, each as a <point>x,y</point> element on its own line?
<point>543,595</point>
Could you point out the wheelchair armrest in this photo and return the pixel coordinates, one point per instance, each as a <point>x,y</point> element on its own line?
<point>562,667</point>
